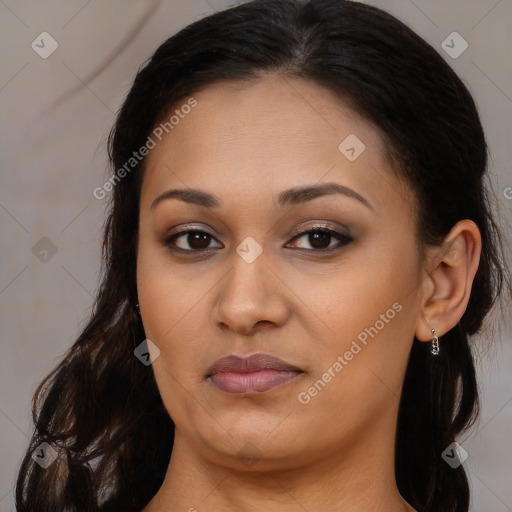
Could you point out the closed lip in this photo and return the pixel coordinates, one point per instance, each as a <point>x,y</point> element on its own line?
<point>252,363</point>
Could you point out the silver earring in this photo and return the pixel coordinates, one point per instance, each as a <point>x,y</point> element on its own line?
<point>434,350</point>
<point>137,308</point>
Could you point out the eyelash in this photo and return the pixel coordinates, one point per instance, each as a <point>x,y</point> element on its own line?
<point>343,239</point>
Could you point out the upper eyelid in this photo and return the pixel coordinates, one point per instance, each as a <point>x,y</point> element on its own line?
<point>339,228</point>
<point>321,226</point>
<point>187,230</point>
<point>300,232</point>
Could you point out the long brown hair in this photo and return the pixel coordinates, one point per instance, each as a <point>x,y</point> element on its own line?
<point>100,408</point>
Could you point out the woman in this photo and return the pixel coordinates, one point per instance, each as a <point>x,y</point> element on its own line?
<point>300,245</point>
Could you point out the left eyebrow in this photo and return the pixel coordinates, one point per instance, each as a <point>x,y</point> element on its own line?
<point>298,195</point>
<point>292,196</point>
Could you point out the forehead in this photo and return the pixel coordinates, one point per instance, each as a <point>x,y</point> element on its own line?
<point>274,132</point>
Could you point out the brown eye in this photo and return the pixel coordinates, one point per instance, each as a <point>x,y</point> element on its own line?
<point>198,240</point>
<point>320,239</point>
<point>190,240</point>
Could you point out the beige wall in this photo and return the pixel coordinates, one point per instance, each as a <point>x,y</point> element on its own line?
<point>53,156</point>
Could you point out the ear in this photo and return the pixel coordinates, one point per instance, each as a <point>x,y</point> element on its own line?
<point>447,288</point>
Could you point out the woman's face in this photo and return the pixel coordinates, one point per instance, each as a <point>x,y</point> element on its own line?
<point>341,305</point>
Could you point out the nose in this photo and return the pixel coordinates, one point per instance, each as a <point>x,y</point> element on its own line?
<point>250,295</point>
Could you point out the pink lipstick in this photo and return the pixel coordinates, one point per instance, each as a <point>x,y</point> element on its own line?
<point>251,375</point>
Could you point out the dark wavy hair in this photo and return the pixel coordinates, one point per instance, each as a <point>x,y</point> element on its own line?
<point>100,408</point>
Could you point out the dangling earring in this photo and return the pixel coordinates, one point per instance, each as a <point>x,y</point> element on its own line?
<point>137,308</point>
<point>434,350</point>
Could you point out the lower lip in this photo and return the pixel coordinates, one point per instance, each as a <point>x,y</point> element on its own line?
<point>253,382</point>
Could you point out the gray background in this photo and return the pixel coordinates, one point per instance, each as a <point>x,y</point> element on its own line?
<point>56,113</point>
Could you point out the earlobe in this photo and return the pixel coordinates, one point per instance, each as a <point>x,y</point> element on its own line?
<point>447,289</point>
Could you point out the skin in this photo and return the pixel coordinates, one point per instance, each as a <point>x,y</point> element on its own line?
<point>246,143</point>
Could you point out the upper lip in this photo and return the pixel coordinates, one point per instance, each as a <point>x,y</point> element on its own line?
<point>255,362</point>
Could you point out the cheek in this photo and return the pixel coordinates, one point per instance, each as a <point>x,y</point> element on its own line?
<point>369,320</point>
<point>165,301</point>
<point>170,309</point>
<point>353,297</point>
<point>172,298</point>
<point>165,291</point>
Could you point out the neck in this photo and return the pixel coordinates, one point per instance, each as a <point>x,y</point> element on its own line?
<point>360,476</point>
